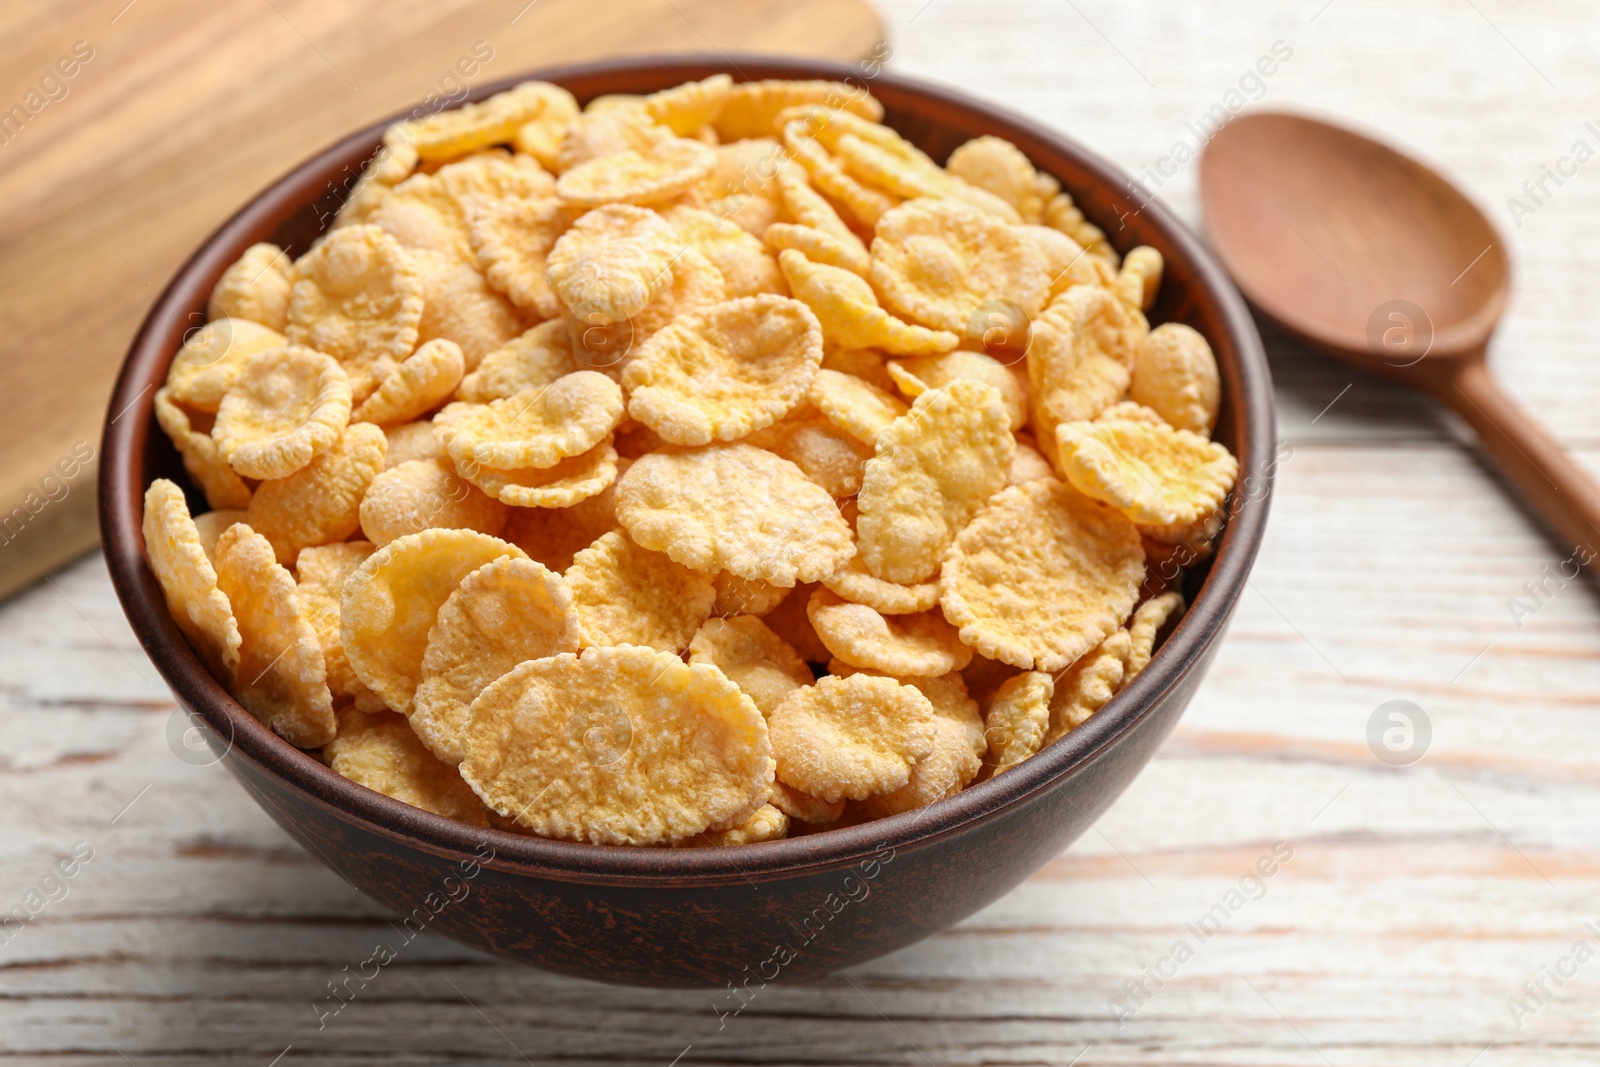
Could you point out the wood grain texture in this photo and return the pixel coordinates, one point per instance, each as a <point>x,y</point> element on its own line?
<point>1418,900</point>
<point>183,110</point>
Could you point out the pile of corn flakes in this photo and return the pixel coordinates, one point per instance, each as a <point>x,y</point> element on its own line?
<point>698,468</point>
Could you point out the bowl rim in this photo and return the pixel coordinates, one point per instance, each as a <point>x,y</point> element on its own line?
<point>1248,389</point>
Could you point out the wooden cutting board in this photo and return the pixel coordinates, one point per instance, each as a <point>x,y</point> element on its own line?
<point>139,125</point>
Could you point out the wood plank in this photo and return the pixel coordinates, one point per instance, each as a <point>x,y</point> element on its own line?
<point>183,109</point>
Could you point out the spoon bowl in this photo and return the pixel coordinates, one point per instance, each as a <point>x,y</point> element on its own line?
<point>1372,257</point>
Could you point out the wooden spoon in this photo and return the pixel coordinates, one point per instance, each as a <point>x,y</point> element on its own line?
<point>1375,259</point>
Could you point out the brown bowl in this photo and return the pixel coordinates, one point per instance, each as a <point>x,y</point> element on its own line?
<point>792,909</point>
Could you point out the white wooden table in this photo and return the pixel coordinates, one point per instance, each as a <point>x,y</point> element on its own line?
<point>1418,899</point>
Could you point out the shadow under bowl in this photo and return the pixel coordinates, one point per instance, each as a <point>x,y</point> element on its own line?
<point>794,909</point>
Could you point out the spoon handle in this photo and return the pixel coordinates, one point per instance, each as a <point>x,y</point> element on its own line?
<point>1560,492</point>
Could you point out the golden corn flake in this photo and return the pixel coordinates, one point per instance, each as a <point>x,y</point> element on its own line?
<point>853,582</point>
<point>426,495</point>
<point>1140,278</point>
<point>357,297</point>
<point>288,406</point>
<point>209,526</point>
<point>854,405</point>
<point>914,375</point>
<point>1175,374</point>
<point>686,108</point>
<point>865,205</point>
<point>1146,624</point>
<point>457,131</point>
<point>1080,360</point>
<point>826,454</point>
<point>461,308</point>
<point>818,247</point>
<point>423,381</point>
<point>618,746</point>
<point>999,167</point>
<point>764,667</point>
<point>282,678</point>
<point>554,535</point>
<point>1060,213</point>
<point>720,373</point>
<point>409,441</point>
<point>327,567</point>
<point>670,166</point>
<point>181,564</point>
<point>1028,465</point>
<point>389,166</point>
<point>390,603</point>
<point>1018,718</point>
<point>608,131</point>
<point>742,187</point>
<point>695,286</point>
<point>626,595</point>
<point>1155,475</point>
<point>849,738</point>
<point>534,428</point>
<point>201,456</point>
<point>254,288</point>
<point>319,503</point>
<point>848,310</point>
<point>1067,262</point>
<point>612,263</point>
<point>1088,686</point>
<point>752,108</point>
<point>769,823</point>
<point>864,363</point>
<point>502,614</point>
<point>943,772</point>
<point>744,596</point>
<point>382,753</point>
<point>803,806</point>
<point>789,621</point>
<point>562,485</point>
<point>934,469</point>
<point>736,508</point>
<point>541,136</point>
<point>534,360</point>
<point>513,239</point>
<point>813,213</point>
<point>938,261</point>
<point>746,267</point>
<point>1041,575</point>
<point>916,645</point>
<point>212,357</point>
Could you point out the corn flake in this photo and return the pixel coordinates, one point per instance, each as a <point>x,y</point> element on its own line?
<point>626,595</point>
<point>513,239</point>
<point>621,746</point>
<point>914,375</point>
<point>567,482</point>
<point>534,428</point>
<point>855,405</point>
<point>212,357</point>
<point>202,458</point>
<point>848,310</point>
<point>1041,575</point>
<point>1088,686</point>
<point>426,494</point>
<point>390,604</point>
<point>937,261</point>
<point>752,108</point>
<point>319,503</point>
<point>504,613</point>
<point>424,379</point>
<point>254,288</point>
<point>933,469</point>
<point>735,508</point>
<point>184,568</point>
<point>357,296</point>
<point>282,678</point>
<point>1155,475</point>
<point>906,646</point>
<point>1175,374</point>
<point>720,373</point>
<point>1146,624</point>
<point>853,582</point>
<point>1018,717</point>
<point>382,753</point>
<point>288,406</point>
<point>764,666</point>
<point>849,738</point>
